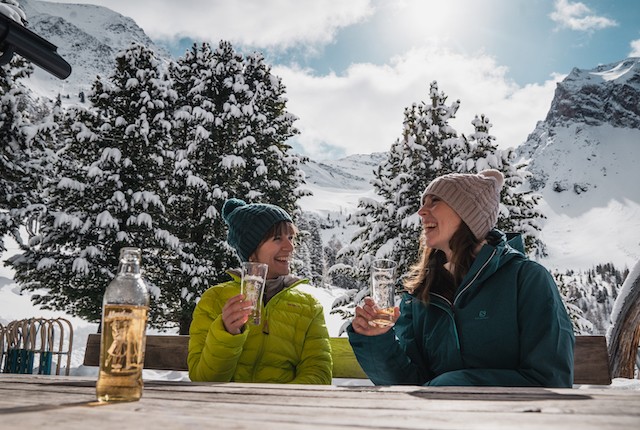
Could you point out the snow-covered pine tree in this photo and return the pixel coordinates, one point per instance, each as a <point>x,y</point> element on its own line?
<point>111,193</point>
<point>199,185</point>
<point>15,192</point>
<point>229,140</point>
<point>568,290</point>
<point>335,277</point>
<point>519,208</point>
<point>317,253</point>
<point>41,166</point>
<point>309,249</point>
<point>389,224</point>
<point>272,171</point>
<point>524,214</point>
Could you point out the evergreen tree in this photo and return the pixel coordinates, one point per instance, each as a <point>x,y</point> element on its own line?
<point>389,225</point>
<point>309,249</point>
<point>229,140</point>
<point>272,172</point>
<point>317,253</point>
<point>519,212</point>
<point>334,275</point>
<point>15,191</point>
<point>581,325</point>
<point>200,135</point>
<point>111,194</point>
<point>41,168</point>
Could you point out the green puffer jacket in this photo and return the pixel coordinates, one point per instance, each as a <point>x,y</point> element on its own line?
<point>291,344</point>
<point>507,326</point>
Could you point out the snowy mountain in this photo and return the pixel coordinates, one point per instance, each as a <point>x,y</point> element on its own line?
<point>353,172</point>
<point>584,158</point>
<point>88,37</point>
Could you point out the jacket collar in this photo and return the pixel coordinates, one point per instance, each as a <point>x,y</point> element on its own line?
<point>497,252</point>
<point>288,280</point>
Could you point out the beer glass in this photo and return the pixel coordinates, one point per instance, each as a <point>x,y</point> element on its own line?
<point>383,280</point>
<point>254,276</point>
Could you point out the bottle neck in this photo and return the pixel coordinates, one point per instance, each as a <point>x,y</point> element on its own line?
<point>129,265</point>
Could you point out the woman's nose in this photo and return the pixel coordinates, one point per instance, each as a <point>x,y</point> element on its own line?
<point>423,210</point>
<point>287,244</point>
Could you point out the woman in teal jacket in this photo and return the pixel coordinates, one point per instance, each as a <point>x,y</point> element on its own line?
<point>477,311</point>
<point>291,343</point>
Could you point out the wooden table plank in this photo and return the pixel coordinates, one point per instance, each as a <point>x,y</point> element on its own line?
<point>29,401</point>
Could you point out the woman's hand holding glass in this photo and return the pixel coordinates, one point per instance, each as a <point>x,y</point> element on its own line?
<point>363,321</point>
<point>235,314</point>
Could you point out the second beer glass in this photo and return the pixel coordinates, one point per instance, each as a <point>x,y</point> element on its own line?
<point>383,281</point>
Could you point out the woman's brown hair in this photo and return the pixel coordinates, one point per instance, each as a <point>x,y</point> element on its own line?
<point>278,229</point>
<point>430,275</point>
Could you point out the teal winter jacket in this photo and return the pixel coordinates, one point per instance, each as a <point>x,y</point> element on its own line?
<point>507,326</point>
<point>290,345</point>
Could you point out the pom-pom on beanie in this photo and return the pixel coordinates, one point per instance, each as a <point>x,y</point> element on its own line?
<point>474,197</point>
<point>248,223</point>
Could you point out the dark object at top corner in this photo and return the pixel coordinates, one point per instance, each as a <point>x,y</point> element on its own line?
<point>17,39</point>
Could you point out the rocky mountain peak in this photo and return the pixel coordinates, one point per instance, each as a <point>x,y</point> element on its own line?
<point>583,155</point>
<point>606,94</point>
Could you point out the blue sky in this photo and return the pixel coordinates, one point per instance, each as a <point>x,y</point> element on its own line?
<point>351,66</point>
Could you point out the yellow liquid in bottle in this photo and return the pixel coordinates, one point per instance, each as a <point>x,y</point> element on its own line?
<point>122,353</point>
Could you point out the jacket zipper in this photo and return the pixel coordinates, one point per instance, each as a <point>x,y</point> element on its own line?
<point>450,311</point>
<point>475,277</point>
<point>265,329</point>
<point>452,304</point>
<point>262,341</point>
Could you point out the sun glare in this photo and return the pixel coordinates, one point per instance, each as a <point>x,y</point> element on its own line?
<point>419,21</point>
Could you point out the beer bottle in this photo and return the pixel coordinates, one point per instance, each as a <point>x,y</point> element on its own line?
<point>124,319</point>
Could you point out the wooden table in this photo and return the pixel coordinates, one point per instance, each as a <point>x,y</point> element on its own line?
<point>67,402</point>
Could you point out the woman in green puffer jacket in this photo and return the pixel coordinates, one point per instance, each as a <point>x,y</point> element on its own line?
<point>291,342</point>
<point>477,311</point>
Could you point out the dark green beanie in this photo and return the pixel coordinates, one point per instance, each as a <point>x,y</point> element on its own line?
<point>248,223</point>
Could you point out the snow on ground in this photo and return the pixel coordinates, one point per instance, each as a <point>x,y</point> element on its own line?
<point>608,234</point>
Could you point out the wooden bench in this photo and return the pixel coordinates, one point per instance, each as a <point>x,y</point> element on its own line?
<point>169,352</point>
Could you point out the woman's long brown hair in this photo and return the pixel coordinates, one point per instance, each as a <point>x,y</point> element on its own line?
<point>430,275</point>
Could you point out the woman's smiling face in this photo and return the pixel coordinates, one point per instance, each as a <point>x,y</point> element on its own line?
<point>277,250</point>
<point>439,223</point>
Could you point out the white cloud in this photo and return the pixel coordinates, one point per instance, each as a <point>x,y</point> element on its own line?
<point>362,110</point>
<point>577,16</point>
<point>259,23</point>
<point>635,48</point>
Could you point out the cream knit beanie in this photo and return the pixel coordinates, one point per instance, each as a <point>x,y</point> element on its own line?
<point>475,198</point>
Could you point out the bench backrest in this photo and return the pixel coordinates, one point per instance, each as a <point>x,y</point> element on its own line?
<point>169,352</point>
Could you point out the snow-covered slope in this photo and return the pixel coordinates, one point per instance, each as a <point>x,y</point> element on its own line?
<point>584,159</point>
<point>88,37</point>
